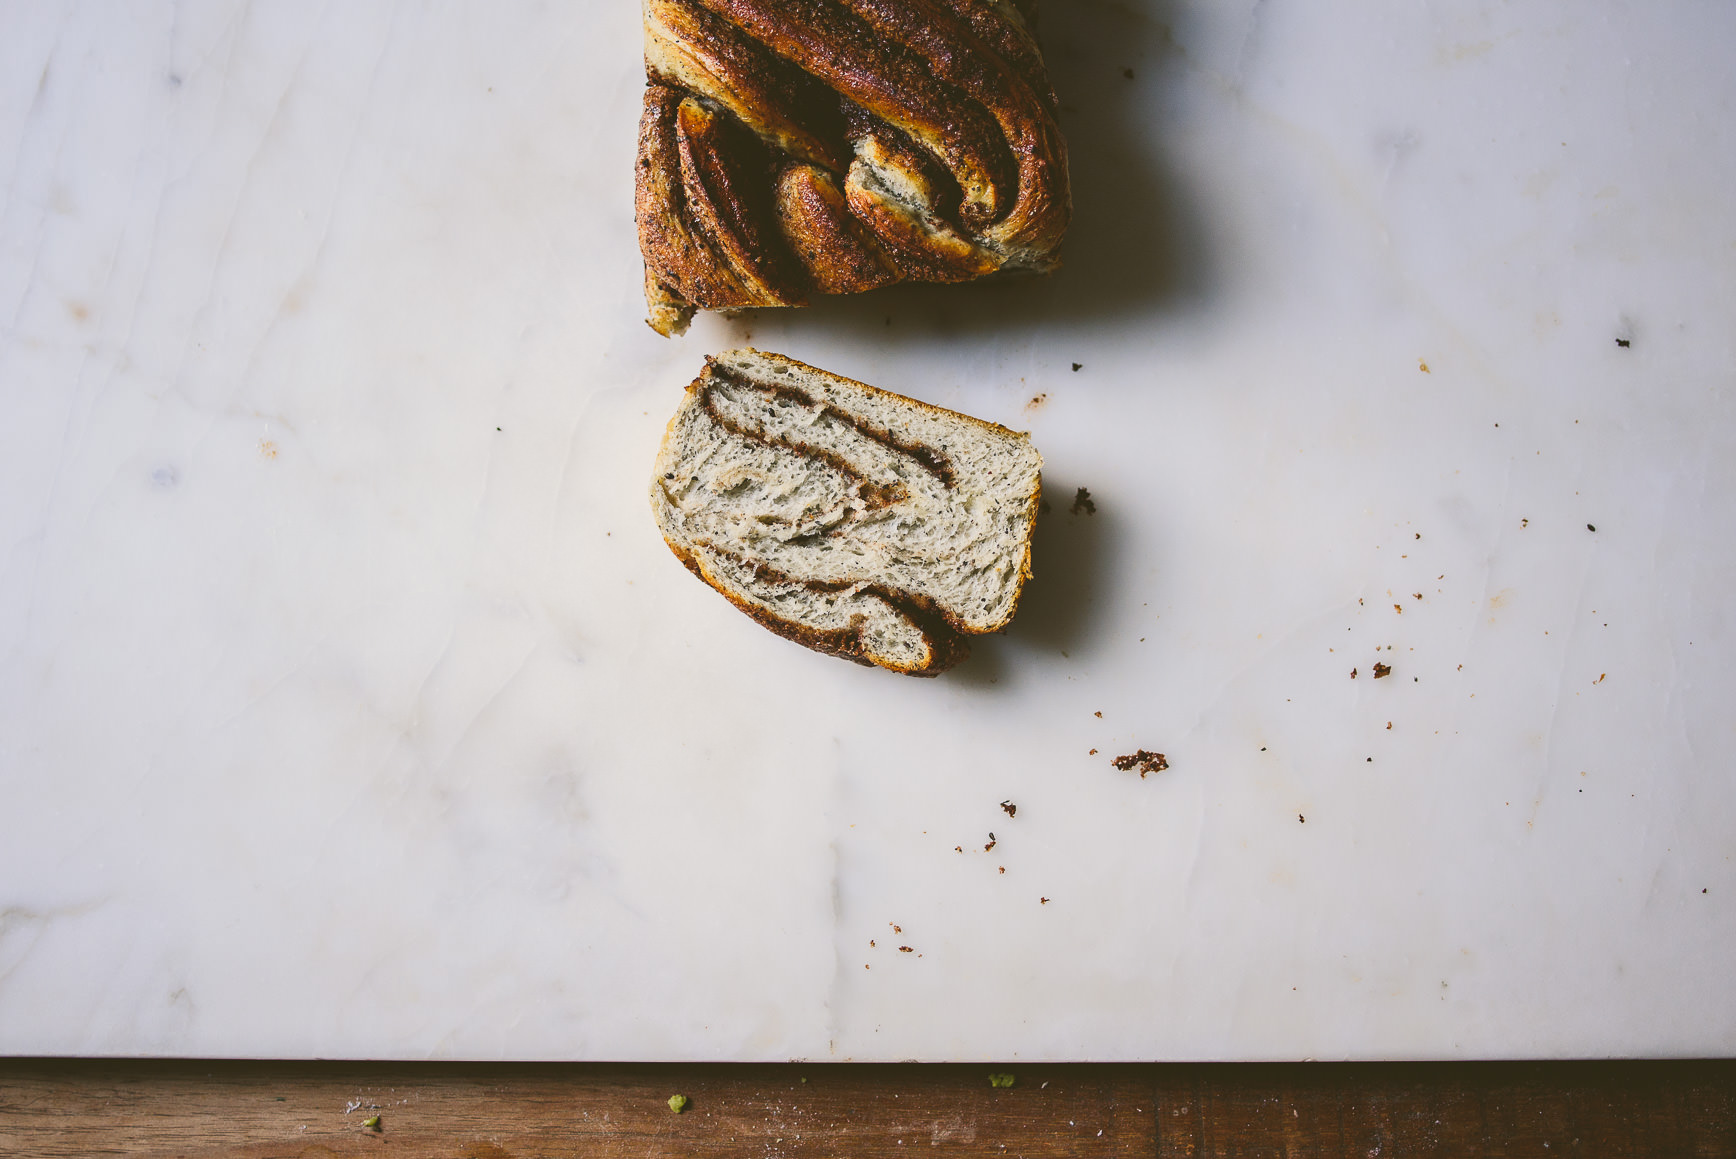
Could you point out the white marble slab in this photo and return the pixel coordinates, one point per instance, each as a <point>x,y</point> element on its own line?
<point>350,704</point>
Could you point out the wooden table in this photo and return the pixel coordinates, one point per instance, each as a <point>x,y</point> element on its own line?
<point>519,1111</point>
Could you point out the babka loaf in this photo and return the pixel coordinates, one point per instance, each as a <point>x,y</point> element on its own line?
<point>852,520</point>
<point>795,147</point>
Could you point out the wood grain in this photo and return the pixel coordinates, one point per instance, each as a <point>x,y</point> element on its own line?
<point>268,1110</point>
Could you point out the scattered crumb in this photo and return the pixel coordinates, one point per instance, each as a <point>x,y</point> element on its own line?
<point>1589,527</point>
<point>678,1103</point>
<point>1077,366</point>
<point>267,449</point>
<point>904,949</point>
<point>1003,869</point>
<point>1037,401</point>
<point>958,848</point>
<point>1418,595</point>
<point>1381,670</point>
<point>1082,502</point>
<point>1353,674</point>
<point>897,929</point>
<point>992,843</point>
<point>1301,819</point>
<point>1389,726</point>
<point>1042,901</point>
<point>1092,753</point>
<point>1600,677</point>
<point>1423,366</point>
<point>1624,343</point>
<point>1143,760</point>
<point>1524,523</point>
<point>1399,608</point>
<point>1098,715</point>
<point>1000,1080</point>
<point>1010,809</point>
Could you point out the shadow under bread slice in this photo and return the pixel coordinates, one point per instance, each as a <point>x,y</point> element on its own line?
<point>850,519</point>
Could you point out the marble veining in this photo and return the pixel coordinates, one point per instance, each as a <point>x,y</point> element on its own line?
<point>350,705</point>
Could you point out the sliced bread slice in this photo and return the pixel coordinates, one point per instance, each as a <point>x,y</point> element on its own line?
<point>850,519</point>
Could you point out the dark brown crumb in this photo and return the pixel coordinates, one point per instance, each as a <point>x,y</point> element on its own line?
<point>1098,715</point>
<point>1589,527</point>
<point>1143,760</point>
<point>1042,901</point>
<point>1092,753</point>
<point>1076,367</point>
<point>1382,670</point>
<point>897,929</point>
<point>958,848</point>
<point>870,943</point>
<point>1003,869</point>
<point>1011,809</point>
<point>1418,595</point>
<point>1302,819</point>
<point>1623,343</point>
<point>905,949</point>
<point>992,843</point>
<point>1353,674</point>
<point>1082,502</point>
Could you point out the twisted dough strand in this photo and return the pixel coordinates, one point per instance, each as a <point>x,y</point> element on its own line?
<point>834,146</point>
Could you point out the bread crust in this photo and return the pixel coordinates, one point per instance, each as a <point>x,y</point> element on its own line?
<point>946,635</point>
<point>868,93</point>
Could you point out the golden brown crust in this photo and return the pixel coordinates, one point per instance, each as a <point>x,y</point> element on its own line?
<point>840,255</point>
<point>677,253</point>
<point>687,47</point>
<point>923,250</point>
<point>666,311</point>
<point>957,56</point>
<point>959,168</point>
